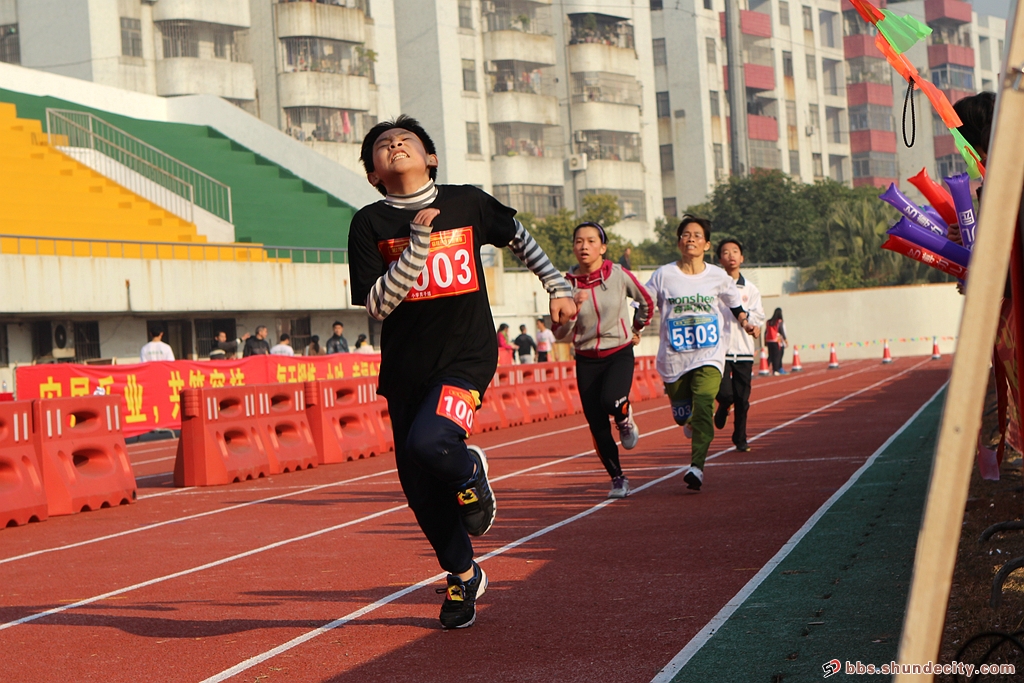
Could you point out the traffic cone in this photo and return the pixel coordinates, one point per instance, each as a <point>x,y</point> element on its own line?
<point>833,359</point>
<point>886,354</point>
<point>796,360</point>
<point>935,349</point>
<point>764,369</point>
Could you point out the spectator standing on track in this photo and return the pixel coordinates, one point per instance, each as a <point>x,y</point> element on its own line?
<point>693,298</point>
<point>337,343</point>
<point>604,348</point>
<point>504,344</point>
<point>258,344</point>
<point>739,355</point>
<point>627,259</point>
<point>775,340</point>
<point>362,345</point>
<point>524,345</point>
<point>224,349</point>
<point>439,350</point>
<point>545,342</point>
<point>313,348</point>
<point>156,349</point>
<point>283,347</point>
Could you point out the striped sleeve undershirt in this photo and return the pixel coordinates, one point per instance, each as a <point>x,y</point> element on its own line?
<point>392,287</point>
<point>529,252</point>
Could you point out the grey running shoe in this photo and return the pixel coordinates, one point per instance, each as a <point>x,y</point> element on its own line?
<point>620,487</point>
<point>628,433</point>
<point>476,501</point>
<point>459,607</point>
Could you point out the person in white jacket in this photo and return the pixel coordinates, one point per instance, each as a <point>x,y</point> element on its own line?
<point>734,391</point>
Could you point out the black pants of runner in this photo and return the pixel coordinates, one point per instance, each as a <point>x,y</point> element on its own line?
<point>775,356</point>
<point>604,385</point>
<point>433,465</point>
<point>735,391</point>
<point>542,356</point>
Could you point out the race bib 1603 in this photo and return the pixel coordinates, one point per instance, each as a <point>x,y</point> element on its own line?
<point>693,332</point>
<point>451,265</point>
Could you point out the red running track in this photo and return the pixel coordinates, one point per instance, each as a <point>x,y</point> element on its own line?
<point>188,584</point>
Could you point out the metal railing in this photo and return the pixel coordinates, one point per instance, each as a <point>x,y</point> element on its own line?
<point>99,248</point>
<point>307,254</point>
<point>137,165</point>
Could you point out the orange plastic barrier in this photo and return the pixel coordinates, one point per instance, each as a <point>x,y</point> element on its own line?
<point>532,395</point>
<point>220,440</point>
<point>489,415</point>
<point>345,419</point>
<point>83,455</point>
<point>507,399</point>
<point>22,498</point>
<point>642,390</point>
<point>548,376</point>
<point>281,410</point>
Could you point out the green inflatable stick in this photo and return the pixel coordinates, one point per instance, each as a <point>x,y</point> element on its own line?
<point>902,32</point>
<point>968,153</point>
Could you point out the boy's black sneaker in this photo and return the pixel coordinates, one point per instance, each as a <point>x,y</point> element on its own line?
<point>459,607</point>
<point>743,448</point>
<point>476,501</point>
<point>721,415</point>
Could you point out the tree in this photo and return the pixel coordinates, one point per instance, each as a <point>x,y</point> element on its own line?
<point>554,233</point>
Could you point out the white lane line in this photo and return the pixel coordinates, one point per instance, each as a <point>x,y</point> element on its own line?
<point>660,468</point>
<point>299,640</point>
<point>150,462</point>
<point>698,641</point>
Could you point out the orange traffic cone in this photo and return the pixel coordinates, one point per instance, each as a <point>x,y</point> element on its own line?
<point>833,359</point>
<point>935,349</point>
<point>764,369</point>
<point>886,353</point>
<point>796,360</point>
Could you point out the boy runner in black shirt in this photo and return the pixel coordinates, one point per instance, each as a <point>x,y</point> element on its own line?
<point>415,264</point>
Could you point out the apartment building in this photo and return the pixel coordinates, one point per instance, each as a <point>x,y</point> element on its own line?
<point>794,90</point>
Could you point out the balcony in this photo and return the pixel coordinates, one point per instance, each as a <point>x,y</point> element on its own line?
<point>860,45</point>
<point>868,93</point>
<point>872,141</point>
<point>522,107</point>
<point>319,89</point>
<point>605,116</point>
<point>756,76</point>
<point>945,145</point>
<point>950,54</point>
<point>752,23</point>
<point>947,12</point>
<point>320,20</point>
<point>522,169</point>
<point>601,57</point>
<point>762,128</point>
<point>193,76</point>
<point>224,12</point>
<point>618,175</point>
<point>521,47</point>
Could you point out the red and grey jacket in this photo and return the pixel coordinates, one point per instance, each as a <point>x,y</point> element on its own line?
<point>605,322</point>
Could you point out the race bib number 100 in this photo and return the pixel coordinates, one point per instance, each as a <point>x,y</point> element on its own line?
<point>693,332</point>
<point>451,265</point>
<point>458,405</point>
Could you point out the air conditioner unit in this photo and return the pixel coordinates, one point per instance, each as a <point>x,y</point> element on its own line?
<point>580,136</point>
<point>490,68</point>
<point>63,339</point>
<point>809,130</point>
<point>577,162</point>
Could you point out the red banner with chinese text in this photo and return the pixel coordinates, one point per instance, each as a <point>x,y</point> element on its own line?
<point>151,390</point>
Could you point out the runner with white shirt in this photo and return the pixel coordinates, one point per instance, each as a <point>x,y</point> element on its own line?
<point>694,297</point>
<point>156,349</point>
<point>545,342</point>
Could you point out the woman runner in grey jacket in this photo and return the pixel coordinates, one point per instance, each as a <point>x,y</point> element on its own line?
<point>604,332</point>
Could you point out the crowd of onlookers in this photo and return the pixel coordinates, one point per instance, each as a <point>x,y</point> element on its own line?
<point>524,349</point>
<point>257,345</point>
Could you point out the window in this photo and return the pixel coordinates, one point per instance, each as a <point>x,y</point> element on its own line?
<point>87,340</point>
<point>764,154</point>
<point>834,125</point>
<point>808,17</point>
<point>180,39</point>
<point>131,37</point>
<point>663,104</point>
<point>868,70</point>
<point>953,76</point>
<point>835,168</point>
<point>709,4</point>
<point>819,170</point>
<point>812,68</point>
<point>986,84</point>
<point>5,356</point>
<point>985,53</point>
<point>712,48</point>
<point>511,75</point>
<point>784,13</point>
<point>874,165</point>
<point>794,163</point>
<point>813,116</point>
<point>660,56</point>
<point>326,56</point>
<point>465,14</point>
<point>718,153</point>
<point>668,207</point>
<point>827,34</point>
<point>716,109</point>
<point>10,48</point>
<point>473,138</point>
<point>469,75</point>
<point>787,64</point>
<point>601,86</point>
<point>632,203</point>
<point>951,165</point>
<point>207,330</point>
<point>301,333</point>
<point>224,44</point>
<point>667,161</point>
<point>656,5</point>
<point>521,139</point>
<point>539,200</point>
<point>610,145</point>
<point>589,27</point>
<point>831,70</point>
<point>876,117</point>
<point>325,124</point>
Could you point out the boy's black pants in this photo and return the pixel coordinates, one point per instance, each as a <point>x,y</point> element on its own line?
<point>433,465</point>
<point>735,391</point>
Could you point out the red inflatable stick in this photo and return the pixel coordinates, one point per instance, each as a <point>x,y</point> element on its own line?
<point>929,258</point>
<point>936,194</point>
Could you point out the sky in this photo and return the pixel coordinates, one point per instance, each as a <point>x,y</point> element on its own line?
<point>995,8</point>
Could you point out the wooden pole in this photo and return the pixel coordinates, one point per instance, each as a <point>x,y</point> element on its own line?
<point>939,537</point>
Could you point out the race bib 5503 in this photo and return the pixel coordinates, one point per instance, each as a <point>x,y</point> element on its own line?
<point>451,265</point>
<point>693,332</point>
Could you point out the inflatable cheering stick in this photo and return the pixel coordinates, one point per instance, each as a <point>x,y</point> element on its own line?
<point>936,195</point>
<point>910,209</point>
<point>935,218</point>
<point>960,188</point>
<point>926,239</point>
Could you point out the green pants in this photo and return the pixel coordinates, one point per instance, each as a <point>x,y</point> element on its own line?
<point>693,402</point>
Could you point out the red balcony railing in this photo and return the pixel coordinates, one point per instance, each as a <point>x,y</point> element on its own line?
<point>947,12</point>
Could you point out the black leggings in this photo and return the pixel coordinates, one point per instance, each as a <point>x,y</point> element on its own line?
<point>433,464</point>
<point>604,385</point>
<point>775,356</point>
